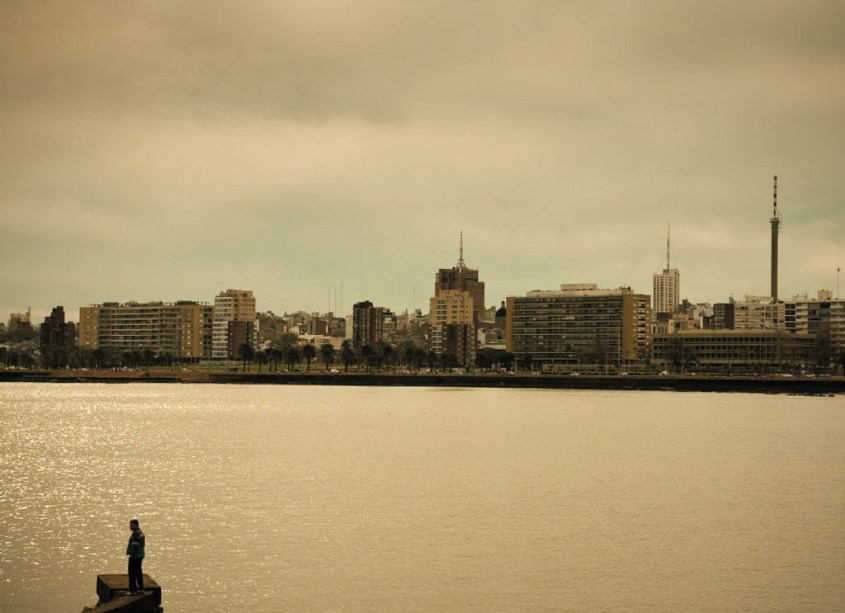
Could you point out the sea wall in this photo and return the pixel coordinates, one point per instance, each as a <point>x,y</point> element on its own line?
<point>687,383</point>
<point>114,596</point>
<point>768,385</point>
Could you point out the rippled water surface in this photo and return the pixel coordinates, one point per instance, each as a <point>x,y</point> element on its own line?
<point>283,498</point>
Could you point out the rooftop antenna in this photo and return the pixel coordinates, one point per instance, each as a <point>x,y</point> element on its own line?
<point>461,263</point>
<point>668,234</point>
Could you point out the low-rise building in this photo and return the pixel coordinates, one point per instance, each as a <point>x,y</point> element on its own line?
<point>753,313</point>
<point>733,351</point>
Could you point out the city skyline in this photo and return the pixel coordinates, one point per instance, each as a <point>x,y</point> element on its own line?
<point>167,152</point>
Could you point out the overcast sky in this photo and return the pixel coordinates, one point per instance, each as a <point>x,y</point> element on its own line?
<point>169,150</point>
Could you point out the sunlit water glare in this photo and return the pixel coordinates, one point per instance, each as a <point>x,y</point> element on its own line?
<point>285,498</point>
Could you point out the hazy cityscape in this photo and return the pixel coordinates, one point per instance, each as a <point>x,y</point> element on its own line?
<point>476,306</point>
<point>578,326</point>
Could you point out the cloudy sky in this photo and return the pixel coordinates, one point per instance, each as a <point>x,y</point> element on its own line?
<point>165,150</point>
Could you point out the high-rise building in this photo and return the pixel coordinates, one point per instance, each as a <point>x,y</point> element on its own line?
<point>230,305</point>
<point>462,279</point>
<point>56,335</point>
<point>367,324</point>
<point>451,325</point>
<point>667,286</point>
<point>20,321</point>
<point>181,330</point>
<point>823,317</point>
<point>579,325</point>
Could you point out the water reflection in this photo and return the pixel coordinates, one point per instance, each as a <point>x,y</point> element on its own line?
<point>371,499</point>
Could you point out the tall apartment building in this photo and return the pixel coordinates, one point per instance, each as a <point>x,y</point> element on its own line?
<point>825,315</point>
<point>181,329</point>
<point>367,324</point>
<point>579,324</point>
<point>462,279</point>
<point>452,325</point>
<point>229,305</point>
<point>20,321</point>
<point>56,333</point>
<point>667,286</point>
<point>667,290</point>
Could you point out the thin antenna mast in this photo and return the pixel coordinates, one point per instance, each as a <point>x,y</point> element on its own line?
<point>461,263</point>
<point>668,234</point>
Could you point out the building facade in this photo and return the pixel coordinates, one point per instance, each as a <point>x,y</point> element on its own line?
<point>230,305</point>
<point>367,324</point>
<point>182,330</point>
<point>463,279</point>
<point>733,351</point>
<point>452,326</point>
<point>667,290</point>
<point>759,313</point>
<point>57,336</point>
<point>824,317</point>
<point>579,325</point>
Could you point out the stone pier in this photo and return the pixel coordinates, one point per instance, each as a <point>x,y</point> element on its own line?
<point>113,593</point>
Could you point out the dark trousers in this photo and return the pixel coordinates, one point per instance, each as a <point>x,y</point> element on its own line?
<point>136,577</point>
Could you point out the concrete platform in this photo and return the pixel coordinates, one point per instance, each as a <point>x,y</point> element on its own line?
<point>110,587</point>
<point>124,602</point>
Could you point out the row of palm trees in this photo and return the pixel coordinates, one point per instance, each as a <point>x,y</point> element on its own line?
<point>289,352</point>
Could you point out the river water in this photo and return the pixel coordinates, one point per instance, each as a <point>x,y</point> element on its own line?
<point>286,498</point>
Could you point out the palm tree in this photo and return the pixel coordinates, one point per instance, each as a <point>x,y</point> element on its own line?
<point>246,353</point>
<point>387,354</point>
<point>366,355</point>
<point>261,357</point>
<point>292,356</point>
<point>347,355</point>
<point>327,354</point>
<point>309,352</point>
<point>274,356</point>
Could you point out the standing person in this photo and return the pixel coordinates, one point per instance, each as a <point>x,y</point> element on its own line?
<point>135,551</point>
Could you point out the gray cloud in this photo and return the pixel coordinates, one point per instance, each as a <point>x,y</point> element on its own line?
<point>181,148</point>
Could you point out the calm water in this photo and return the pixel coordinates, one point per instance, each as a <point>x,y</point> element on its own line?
<point>285,498</point>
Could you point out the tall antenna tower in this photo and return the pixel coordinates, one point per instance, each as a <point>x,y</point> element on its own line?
<point>461,263</point>
<point>775,221</point>
<point>668,234</point>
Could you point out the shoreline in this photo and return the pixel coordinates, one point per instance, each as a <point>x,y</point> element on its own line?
<point>808,386</point>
